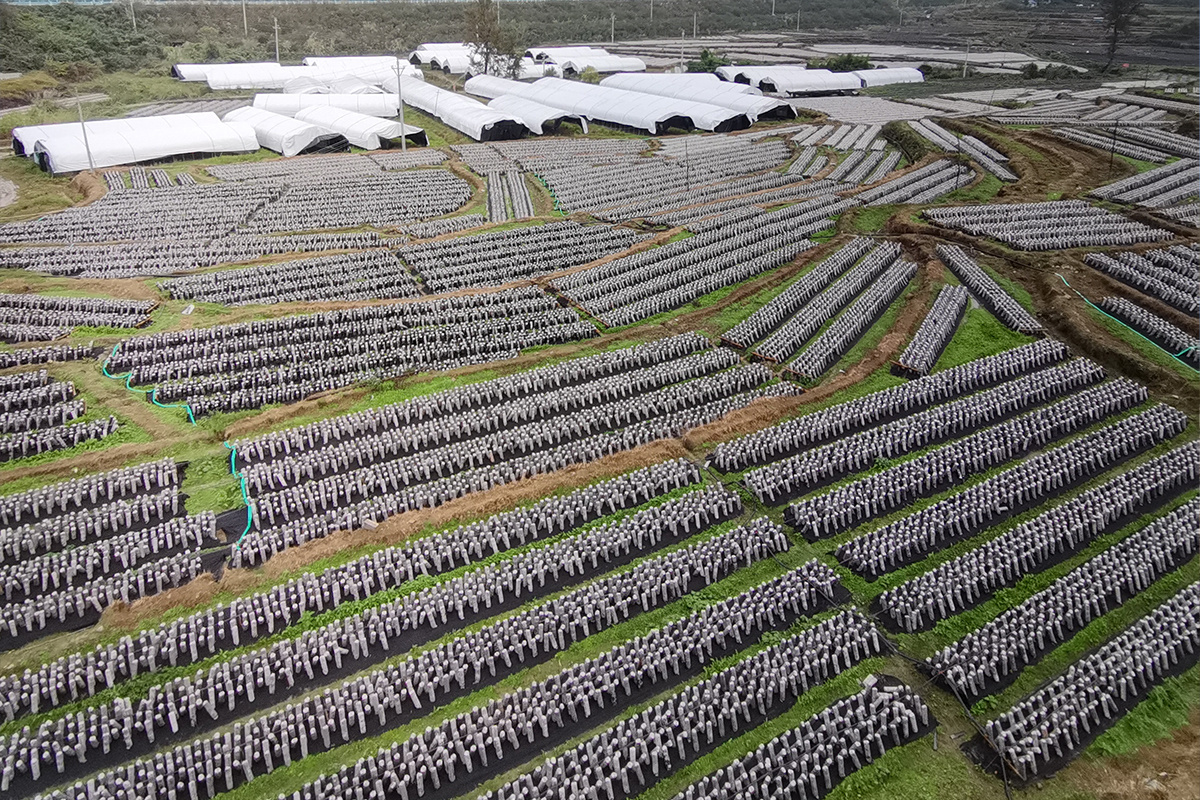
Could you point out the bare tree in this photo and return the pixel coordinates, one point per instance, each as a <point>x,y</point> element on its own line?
<point>497,50</point>
<point>1119,18</point>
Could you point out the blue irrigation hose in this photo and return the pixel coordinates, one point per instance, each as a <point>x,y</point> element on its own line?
<point>1175,356</point>
<point>153,399</point>
<point>245,495</point>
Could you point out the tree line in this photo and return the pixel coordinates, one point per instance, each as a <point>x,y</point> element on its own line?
<point>49,37</point>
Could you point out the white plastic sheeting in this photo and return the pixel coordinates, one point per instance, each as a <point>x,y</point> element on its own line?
<point>375,105</point>
<point>346,62</point>
<point>26,137</point>
<point>888,75</point>
<point>374,73</point>
<point>426,53</point>
<point>460,112</point>
<point>648,112</point>
<point>352,84</point>
<point>306,85</point>
<point>369,133</point>
<point>792,79</point>
<point>252,76</point>
<point>557,54</point>
<point>530,69</point>
<point>199,72</point>
<point>603,64</point>
<point>282,134</point>
<point>452,63</point>
<point>346,84</point>
<point>533,114</point>
<point>705,88</point>
<point>273,76</point>
<point>66,150</point>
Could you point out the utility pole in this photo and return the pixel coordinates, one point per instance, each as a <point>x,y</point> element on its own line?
<point>612,28</point>
<point>772,8</point>
<point>694,36</point>
<point>799,9</point>
<point>400,98</point>
<point>245,25</point>
<point>652,10</point>
<point>966,59</point>
<point>681,62</point>
<point>497,12</point>
<point>275,20</point>
<point>133,16</point>
<point>86,145</point>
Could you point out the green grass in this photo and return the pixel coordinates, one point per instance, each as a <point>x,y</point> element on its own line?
<point>979,334</point>
<point>877,331</point>
<point>37,192</point>
<point>210,486</point>
<point>1138,164</point>
<point>871,219</point>
<point>1014,289</point>
<point>1164,711</point>
<point>981,192</point>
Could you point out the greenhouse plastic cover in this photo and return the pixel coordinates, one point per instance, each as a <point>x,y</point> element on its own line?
<point>66,151</point>
<point>532,113</point>
<point>453,63</point>
<point>706,88</point>
<point>346,62</point>
<point>273,76</point>
<point>345,84</point>
<point>199,72</point>
<point>375,105</point>
<point>360,130</point>
<point>887,75</point>
<point>602,63</point>
<point>559,53</point>
<point>461,113</point>
<point>792,78</point>
<point>639,110</point>
<point>425,53</point>
<point>276,132</point>
<point>307,85</point>
<point>25,137</point>
<point>529,69</point>
<point>353,84</point>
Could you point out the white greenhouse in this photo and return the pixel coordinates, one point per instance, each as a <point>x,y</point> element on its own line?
<point>285,135</point>
<point>537,117</point>
<point>375,105</point>
<point>705,88</point>
<point>65,148</point>
<point>369,133</point>
<point>652,113</point>
<point>462,113</point>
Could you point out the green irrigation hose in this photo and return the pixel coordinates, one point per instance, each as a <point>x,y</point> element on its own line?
<point>1175,356</point>
<point>153,392</point>
<point>245,495</point>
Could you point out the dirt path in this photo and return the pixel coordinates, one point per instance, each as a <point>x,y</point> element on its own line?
<point>8,192</point>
